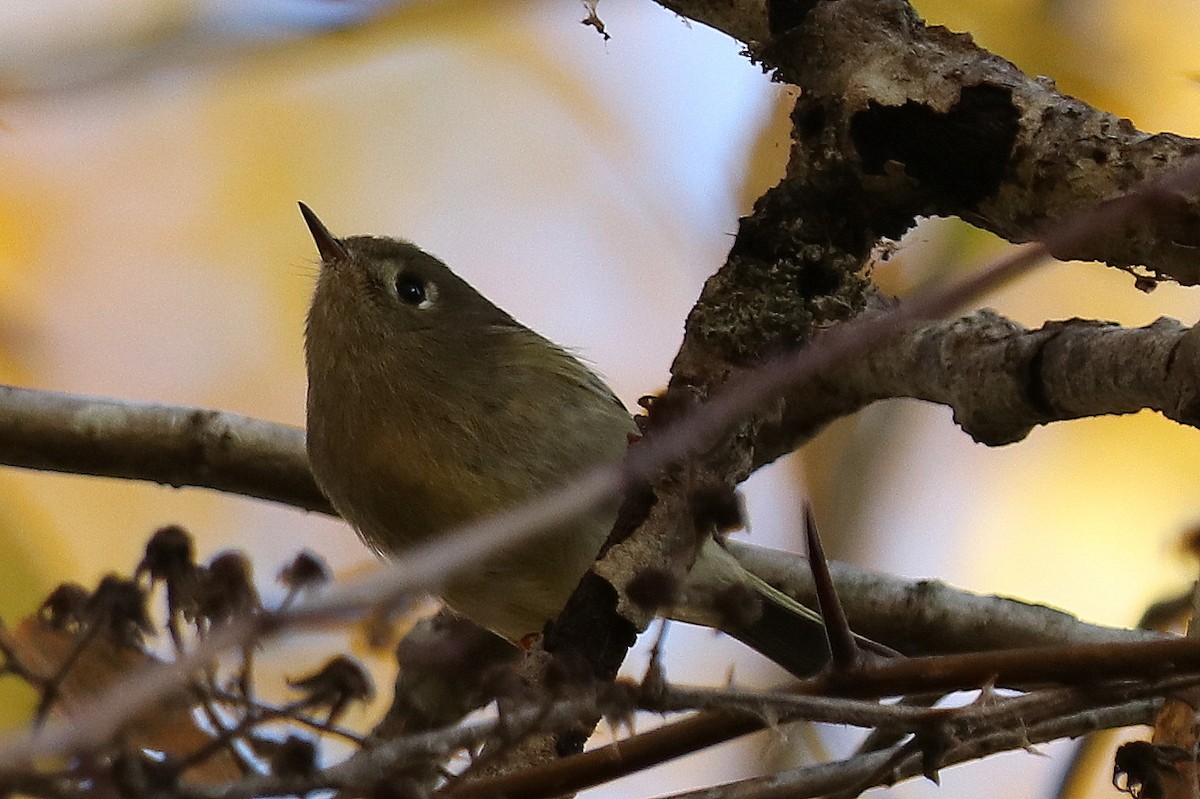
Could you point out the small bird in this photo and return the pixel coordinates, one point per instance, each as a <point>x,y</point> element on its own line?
<point>429,407</point>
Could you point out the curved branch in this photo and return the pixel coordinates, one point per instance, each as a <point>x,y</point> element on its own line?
<point>927,616</point>
<point>1002,380</point>
<point>899,119</point>
<point>169,444</point>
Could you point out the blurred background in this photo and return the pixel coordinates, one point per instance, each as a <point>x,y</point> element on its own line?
<point>150,249</point>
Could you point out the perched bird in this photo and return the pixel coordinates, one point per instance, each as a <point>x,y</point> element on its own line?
<point>430,407</point>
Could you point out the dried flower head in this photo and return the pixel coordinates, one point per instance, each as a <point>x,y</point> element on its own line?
<point>226,588</point>
<point>63,609</point>
<point>169,552</point>
<point>306,571</point>
<point>340,681</point>
<point>118,606</point>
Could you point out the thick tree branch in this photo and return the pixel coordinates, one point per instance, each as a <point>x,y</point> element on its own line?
<point>170,444</point>
<point>899,119</point>
<point>1002,380</point>
<point>895,120</point>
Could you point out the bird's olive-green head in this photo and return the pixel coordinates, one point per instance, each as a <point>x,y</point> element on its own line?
<point>390,288</point>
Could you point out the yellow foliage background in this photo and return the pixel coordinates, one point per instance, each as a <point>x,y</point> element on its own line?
<point>150,249</point>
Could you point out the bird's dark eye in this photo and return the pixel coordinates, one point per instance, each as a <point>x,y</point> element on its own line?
<point>410,289</point>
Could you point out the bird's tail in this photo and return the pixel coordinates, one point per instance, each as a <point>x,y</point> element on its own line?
<point>764,618</point>
<point>783,630</point>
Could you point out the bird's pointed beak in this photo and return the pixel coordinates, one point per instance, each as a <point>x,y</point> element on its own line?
<point>332,251</point>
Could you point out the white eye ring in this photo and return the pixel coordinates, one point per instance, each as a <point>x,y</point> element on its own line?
<point>414,291</point>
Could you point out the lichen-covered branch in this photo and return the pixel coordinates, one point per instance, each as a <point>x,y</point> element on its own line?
<point>928,123</point>
<point>898,119</point>
<point>895,120</point>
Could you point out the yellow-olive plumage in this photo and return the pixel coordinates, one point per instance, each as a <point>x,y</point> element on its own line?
<point>429,407</point>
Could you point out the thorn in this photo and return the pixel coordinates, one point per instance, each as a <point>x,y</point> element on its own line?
<point>844,654</point>
<point>987,694</point>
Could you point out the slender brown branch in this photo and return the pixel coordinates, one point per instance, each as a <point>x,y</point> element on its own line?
<point>711,727</point>
<point>988,710</point>
<point>860,772</point>
<point>1067,665</point>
